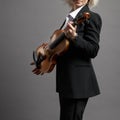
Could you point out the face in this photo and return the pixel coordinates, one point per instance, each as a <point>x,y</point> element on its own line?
<point>78,3</point>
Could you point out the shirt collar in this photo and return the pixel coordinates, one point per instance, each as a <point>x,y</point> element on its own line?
<point>75,12</point>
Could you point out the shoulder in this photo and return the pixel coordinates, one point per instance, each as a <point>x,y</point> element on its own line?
<point>95,17</point>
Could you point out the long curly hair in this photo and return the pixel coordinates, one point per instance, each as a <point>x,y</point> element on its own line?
<point>91,3</point>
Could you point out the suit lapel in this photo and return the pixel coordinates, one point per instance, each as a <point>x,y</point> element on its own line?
<point>84,9</point>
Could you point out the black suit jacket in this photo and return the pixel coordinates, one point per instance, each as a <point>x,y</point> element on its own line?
<point>75,76</point>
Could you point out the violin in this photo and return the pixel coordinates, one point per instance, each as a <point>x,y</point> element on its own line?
<point>46,54</point>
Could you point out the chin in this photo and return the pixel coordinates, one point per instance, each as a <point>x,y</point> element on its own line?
<point>78,5</point>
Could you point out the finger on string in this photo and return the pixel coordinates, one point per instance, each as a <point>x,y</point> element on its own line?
<point>71,26</point>
<point>75,27</point>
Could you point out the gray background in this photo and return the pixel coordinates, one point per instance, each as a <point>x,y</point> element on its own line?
<point>25,24</point>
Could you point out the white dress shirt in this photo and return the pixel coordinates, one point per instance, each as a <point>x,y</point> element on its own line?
<point>73,14</point>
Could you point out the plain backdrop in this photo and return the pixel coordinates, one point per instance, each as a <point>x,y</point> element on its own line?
<point>24,25</point>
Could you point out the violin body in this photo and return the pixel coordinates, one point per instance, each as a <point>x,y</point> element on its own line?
<point>48,64</point>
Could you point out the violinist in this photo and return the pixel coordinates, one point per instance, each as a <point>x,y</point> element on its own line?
<point>76,80</point>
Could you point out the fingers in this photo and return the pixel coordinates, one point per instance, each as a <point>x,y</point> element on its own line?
<point>70,31</point>
<point>70,26</point>
<point>36,71</point>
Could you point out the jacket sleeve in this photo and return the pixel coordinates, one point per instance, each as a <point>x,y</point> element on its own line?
<point>88,43</point>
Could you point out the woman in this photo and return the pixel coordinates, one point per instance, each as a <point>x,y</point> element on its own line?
<point>75,77</point>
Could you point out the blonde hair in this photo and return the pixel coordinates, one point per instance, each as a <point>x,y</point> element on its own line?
<point>91,3</point>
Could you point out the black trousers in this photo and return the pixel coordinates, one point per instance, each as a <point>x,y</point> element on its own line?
<point>72,109</point>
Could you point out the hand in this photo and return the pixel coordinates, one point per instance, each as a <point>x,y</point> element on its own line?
<point>36,70</point>
<point>70,31</point>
